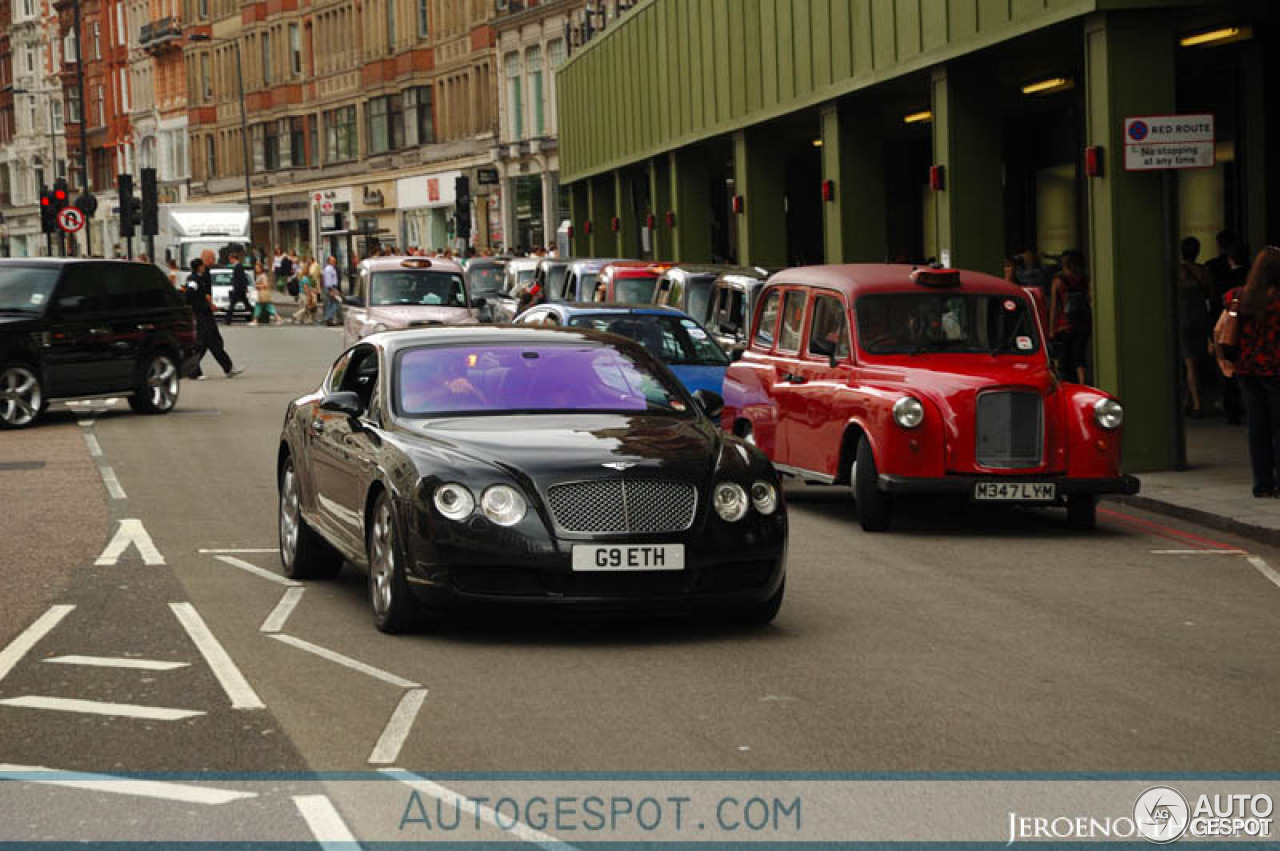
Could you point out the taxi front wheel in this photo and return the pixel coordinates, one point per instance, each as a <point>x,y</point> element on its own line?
<point>875,507</point>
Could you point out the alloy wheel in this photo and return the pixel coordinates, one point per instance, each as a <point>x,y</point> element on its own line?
<point>382,561</point>
<point>162,383</point>
<point>289,516</point>
<point>20,396</point>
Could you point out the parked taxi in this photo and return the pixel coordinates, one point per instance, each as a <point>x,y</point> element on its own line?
<point>629,282</point>
<point>943,386</point>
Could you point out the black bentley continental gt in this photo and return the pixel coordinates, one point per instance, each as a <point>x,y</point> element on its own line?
<point>525,465</point>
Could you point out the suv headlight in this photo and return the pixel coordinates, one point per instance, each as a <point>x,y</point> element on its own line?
<point>764,497</point>
<point>503,505</point>
<point>454,501</point>
<point>1108,413</point>
<point>908,412</point>
<point>730,501</point>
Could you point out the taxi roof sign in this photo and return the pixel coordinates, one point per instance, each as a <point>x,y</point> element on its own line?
<point>935,276</point>
<point>416,263</point>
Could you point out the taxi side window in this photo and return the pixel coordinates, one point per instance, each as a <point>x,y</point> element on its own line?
<point>768,319</point>
<point>828,330</point>
<point>792,322</point>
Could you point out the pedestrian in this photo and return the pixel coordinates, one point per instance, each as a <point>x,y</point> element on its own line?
<point>291,285</point>
<point>1228,273</point>
<point>276,260</point>
<point>1071,316</point>
<point>1195,293</point>
<point>1258,366</point>
<point>265,312</point>
<point>239,288</point>
<point>308,303</point>
<point>332,293</point>
<point>173,274</point>
<point>199,293</point>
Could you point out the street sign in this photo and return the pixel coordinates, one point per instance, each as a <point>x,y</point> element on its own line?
<point>487,176</point>
<point>70,219</point>
<point>1162,142</point>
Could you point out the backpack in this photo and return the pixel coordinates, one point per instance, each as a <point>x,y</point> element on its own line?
<point>1077,309</point>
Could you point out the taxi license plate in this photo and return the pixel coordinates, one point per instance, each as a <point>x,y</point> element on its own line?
<point>1015,491</point>
<point>628,557</point>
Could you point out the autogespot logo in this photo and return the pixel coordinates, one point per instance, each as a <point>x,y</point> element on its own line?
<point>1161,815</point>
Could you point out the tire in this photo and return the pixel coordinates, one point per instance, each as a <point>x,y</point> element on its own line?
<point>21,396</point>
<point>875,508</point>
<point>762,614</point>
<point>158,385</point>
<point>395,609</point>
<point>303,553</point>
<point>1082,513</point>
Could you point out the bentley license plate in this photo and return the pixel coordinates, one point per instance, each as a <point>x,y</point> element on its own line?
<point>628,557</point>
<point>1015,491</point>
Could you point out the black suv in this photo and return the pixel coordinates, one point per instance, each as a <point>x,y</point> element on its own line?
<point>77,328</point>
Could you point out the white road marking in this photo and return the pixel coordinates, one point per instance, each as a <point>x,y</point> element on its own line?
<point>122,785</point>
<point>87,423</point>
<point>259,571</point>
<point>118,662</point>
<point>324,821</point>
<point>452,799</point>
<point>99,707</point>
<point>1199,552</point>
<point>280,614</point>
<point>241,550</point>
<point>95,448</point>
<point>346,661</point>
<point>1266,570</point>
<point>40,627</point>
<point>114,489</point>
<point>393,737</point>
<point>233,682</point>
<point>130,531</point>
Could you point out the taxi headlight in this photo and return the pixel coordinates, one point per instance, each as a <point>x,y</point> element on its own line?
<point>1108,413</point>
<point>503,505</point>
<point>764,497</point>
<point>454,501</point>
<point>908,412</point>
<point>730,501</point>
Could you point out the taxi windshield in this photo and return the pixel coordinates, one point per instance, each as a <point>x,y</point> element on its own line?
<point>537,379</point>
<point>634,290</point>
<point>913,323</point>
<point>485,279</point>
<point>414,287</point>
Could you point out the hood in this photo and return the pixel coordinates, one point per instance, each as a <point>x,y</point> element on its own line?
<point>554,448</point>
<point>406,316</point>
<point>696,378</point>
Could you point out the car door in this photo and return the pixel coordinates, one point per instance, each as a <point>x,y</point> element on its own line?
<point>815,428</point>
<point>158,313</point>
<point>130,320</point>
<point>329,456</point>
<point>77,358</point>
<point>789,392</point>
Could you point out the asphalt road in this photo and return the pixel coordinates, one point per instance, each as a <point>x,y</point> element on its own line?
<point>966,640</point>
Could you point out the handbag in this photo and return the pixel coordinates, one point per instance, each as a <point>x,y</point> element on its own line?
<point>1226,336</point>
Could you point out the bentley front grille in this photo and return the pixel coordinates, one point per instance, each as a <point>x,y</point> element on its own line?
<point>618,505</point>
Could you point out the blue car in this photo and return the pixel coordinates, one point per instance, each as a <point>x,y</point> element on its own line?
<point>681,343</point>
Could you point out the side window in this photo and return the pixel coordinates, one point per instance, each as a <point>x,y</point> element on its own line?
<point>549,318</point>
<point>361,375</point>
<point>154,291</point>
<point>768,319</point>
<point>337,373</point>
<point>79,294</point>
<point>828,330</point>
<point>364,285</point>
<point>792,321</point>
<point>119,283</point>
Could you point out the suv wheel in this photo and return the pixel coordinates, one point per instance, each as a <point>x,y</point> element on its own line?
<point>21,396</point>
<point>157,390</point>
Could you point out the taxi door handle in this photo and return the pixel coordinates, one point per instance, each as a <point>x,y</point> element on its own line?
<point>792,378</point>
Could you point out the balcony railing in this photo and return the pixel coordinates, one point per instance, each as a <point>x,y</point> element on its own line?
<point>160,34</point>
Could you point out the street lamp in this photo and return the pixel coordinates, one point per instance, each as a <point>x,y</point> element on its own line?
<point>244,114</point>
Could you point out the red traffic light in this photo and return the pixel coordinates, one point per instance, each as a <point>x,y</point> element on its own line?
<point>60,195</point>
<point>44,200</point>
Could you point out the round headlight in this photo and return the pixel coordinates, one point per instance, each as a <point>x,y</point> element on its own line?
<point>764,497</point>
<point>503,505</point>
<point>731,501</point>
<point>1109,413</point>
<point>908,412</point>
<point>454,501</point>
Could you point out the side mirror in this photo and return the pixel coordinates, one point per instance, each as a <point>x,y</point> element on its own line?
<point>343,403</point>
<point>736,353</point>
<point>825,347</point>
<point>729,328</point>
<point>711,403</point>
<point>353,301</point>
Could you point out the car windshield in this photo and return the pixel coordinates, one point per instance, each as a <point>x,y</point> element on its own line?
<point>634,290</point>
<point>26,289</point>
<point>674,339</point>
<point>535,379</point>
<point>220,277</point>
<point>485,279</point>
<point>914,323</point>
<point>698,298</point>
<point>418,287</point>
<point>519,278</point>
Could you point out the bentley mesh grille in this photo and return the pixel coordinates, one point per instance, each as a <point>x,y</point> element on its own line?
<point>1010,430</point>
<point>617,505</point>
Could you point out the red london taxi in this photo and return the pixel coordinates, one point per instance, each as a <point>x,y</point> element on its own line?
<point>944,386</point>
<point>629,281</point>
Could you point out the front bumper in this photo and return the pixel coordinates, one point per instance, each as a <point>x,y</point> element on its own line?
<point>963,485</point>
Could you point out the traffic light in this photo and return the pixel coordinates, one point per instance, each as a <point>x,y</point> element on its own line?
<point>462,208</point>
<point>48,212</point>
<point>150,203</point>
<point>128,221</point>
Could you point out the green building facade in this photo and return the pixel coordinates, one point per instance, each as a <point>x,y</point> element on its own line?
<point>791,132</point>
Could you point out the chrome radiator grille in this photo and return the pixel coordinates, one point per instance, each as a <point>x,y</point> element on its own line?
<point>618,505</point>
<point>1010,430</point>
